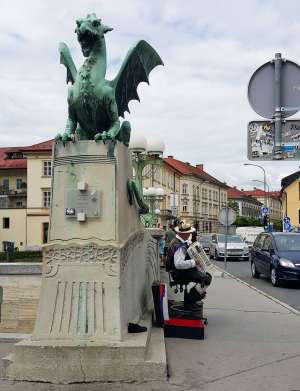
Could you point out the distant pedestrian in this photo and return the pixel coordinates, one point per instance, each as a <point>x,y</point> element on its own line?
<point>162,244</point>
<point>169,237</point>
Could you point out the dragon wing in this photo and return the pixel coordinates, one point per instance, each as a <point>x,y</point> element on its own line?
<point>67,61</point>
<point>137,65</point>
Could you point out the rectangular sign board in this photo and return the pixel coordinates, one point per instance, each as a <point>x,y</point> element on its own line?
<point>261,140</point>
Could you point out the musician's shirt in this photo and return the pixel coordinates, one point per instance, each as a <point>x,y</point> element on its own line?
<point>182,259</point>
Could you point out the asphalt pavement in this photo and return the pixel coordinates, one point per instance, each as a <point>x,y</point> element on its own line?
<point>288,293</point>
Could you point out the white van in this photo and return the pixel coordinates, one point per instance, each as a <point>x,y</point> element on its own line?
<point>249,234</point>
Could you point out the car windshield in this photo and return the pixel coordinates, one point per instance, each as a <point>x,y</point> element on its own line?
<point>204,239</point>
<point>230,238</point>
<point>288,242</point>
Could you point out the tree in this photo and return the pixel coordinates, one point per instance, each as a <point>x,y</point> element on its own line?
<point>235,206</point>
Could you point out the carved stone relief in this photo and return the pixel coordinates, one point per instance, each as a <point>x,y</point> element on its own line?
<point>105,256</point>
<point>134,241</point>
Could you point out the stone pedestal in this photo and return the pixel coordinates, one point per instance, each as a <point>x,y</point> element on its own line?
<point>98,268</point>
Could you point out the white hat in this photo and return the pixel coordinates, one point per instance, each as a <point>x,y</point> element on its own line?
<point>184,228</point>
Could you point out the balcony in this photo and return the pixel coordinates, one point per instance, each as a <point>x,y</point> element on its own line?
<point>14,193</point>
<point>167,213</point>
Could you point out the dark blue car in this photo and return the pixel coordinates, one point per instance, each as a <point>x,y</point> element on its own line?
<point>276,255</point>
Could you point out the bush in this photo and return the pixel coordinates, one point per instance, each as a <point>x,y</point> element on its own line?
<point>22,256</point>
<point>247,222</point>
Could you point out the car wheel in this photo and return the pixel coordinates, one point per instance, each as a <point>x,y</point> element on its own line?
<point>254,272</point>
<point>274,277</point>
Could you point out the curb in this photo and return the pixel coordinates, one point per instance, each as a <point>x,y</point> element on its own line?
<point>286,306</point>
<point>13,337</point>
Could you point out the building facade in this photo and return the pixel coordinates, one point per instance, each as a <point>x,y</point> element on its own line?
<point>168,178</point>
<point>290,196</point>
<point>191,194</point>
<point>270,199</point>
<point>25,193</point>
<point>248,206</point>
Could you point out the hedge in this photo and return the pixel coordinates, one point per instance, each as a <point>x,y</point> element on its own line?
<point>22,256</point>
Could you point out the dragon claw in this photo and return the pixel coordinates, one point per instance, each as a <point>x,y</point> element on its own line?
<point>66,137</point>
<point>98,137</point>
<point>58,138</point>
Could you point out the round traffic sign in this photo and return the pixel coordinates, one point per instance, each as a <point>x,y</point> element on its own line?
<point>227,216</point>
<point>261,89</point>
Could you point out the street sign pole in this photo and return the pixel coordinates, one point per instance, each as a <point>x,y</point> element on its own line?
<point>226,217</point>
<point>277,99</point>
<point>226,234</point>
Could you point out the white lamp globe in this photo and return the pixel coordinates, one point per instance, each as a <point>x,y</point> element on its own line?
<point>152,191</point>
<point>156,146</point>
<point>160,192</point>
<point>138,143</point>
<point>145,191</point>
<point>157,211</point>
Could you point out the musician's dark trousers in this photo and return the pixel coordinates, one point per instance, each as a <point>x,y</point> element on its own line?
<point>193,275</point>
<point>202,280</point>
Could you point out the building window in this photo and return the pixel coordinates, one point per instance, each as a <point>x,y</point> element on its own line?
<point>19,183</point>
<point>19,204</point>
<point>5,184</point>
<point>46,199</point>
<point>45,232</point>
<point>47,168</point>
<point>6,223</point>
<point>184,208</point>
<point>184,188</point>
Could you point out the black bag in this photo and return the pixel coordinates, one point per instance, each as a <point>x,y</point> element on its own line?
<point>170,256</point>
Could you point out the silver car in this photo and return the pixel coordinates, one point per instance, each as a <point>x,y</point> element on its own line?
<point>236,247</point>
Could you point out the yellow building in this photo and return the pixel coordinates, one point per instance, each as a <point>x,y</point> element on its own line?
<point>39,173</point>
<point>290,197</point>
<point>25,191</point>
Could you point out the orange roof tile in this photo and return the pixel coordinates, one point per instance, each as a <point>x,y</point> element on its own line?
<point>189,169</point>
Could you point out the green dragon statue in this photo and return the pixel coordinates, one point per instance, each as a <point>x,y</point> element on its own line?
<point>94,103</point>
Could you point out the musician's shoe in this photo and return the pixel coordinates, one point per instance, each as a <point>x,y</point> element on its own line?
<point>193,296</point>
<point>136,328</point>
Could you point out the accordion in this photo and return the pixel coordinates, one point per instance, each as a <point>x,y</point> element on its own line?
<point>197,253</point>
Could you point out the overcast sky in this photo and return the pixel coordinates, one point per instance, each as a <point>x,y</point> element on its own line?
<point>197,102</point>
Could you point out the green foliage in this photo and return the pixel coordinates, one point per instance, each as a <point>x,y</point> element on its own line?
<point>247,222</point>
<point>277,225</point>
<point>22,256</point>
<point>234,205</point>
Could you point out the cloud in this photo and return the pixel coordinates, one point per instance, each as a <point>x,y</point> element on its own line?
<point>197,101</point>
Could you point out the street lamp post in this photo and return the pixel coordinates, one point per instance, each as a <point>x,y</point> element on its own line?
<point>154,196</point>
<point>265,182</point>
<point>146,153</point>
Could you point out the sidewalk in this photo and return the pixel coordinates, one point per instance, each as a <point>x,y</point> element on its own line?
<point>251,342</point>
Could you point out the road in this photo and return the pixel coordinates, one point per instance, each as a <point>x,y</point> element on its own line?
<point>289,294</point>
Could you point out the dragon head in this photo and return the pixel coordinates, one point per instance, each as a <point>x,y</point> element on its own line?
<point>90,31</point>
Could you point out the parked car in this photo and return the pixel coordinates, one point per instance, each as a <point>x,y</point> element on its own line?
<point>276,255</point>
<point>236,247</point>
<point>249,234</point>
<point>204,240</point>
